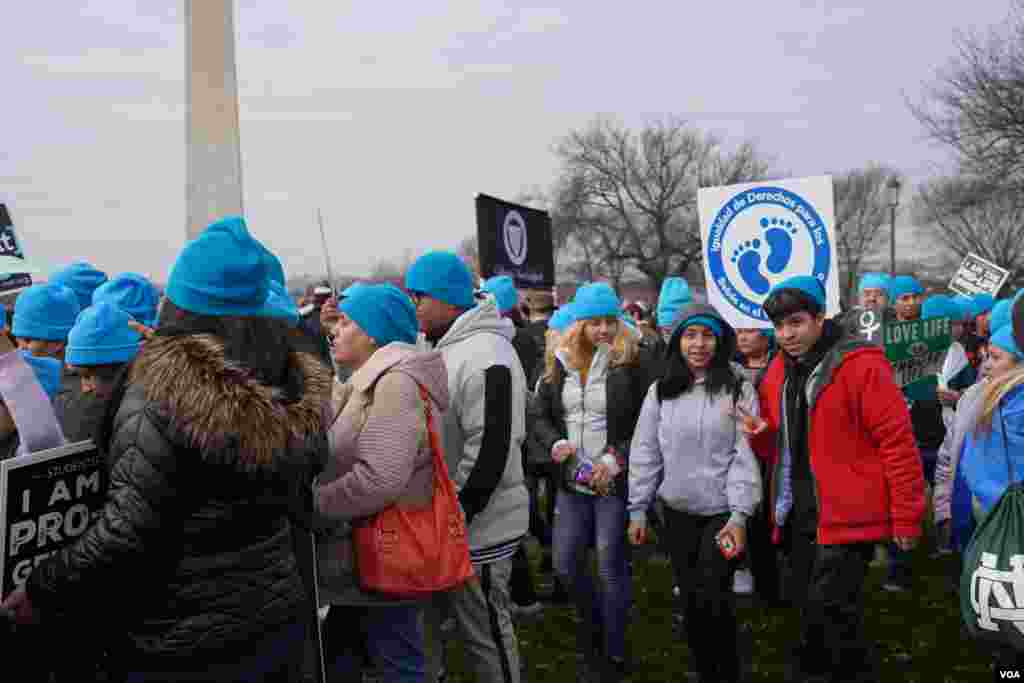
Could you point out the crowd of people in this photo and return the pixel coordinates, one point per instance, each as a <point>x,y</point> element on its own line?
<point>251,441</point>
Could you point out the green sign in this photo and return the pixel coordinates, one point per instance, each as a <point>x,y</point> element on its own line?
<point>916,350</point>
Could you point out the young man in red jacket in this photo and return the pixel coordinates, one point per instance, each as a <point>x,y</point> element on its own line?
<point>847,476</point>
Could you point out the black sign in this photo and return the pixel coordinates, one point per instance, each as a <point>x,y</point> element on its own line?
<point>515,240</point>
<point>9,247</point>
<point>865,323</point>
<point>47,500</point>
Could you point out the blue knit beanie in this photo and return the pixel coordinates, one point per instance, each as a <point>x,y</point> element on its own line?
<point>275,271</point>
<point>82,279</point>
<point>596,300</point>
<point>45,312</point>
<point>963,304</point>
<point>223,272</point>
<point>352,288</point>
<point>384,312</point>
<point>48,372</point>
<point>503,288</point>
<point>705,320</point>
<point>874,281</point>
<point>133,294</point>
<point>563,318</point>
<point>1002,315</point>
<point>281,305</point>
<point>443,276</point>
<point>675,294</point>
<point>982,304</point>
<point>101,336</point>
<point>904,284</point>
<point>810,286</point>
<point>1004,340</point>
<point>940,306</point>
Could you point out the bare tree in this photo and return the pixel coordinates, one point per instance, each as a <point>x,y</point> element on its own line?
<point>976,103</point>
<point>860,214</point>
<point>970,215</point>
<point>628,200</point>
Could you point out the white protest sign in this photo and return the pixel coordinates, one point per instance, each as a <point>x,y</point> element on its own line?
<point>978,276</point>
<point>756,235</point>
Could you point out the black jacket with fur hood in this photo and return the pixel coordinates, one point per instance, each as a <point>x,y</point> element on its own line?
<point>192,554</point>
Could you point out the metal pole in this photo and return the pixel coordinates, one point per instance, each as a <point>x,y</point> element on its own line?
<point>892,241</point>
<point>327,256</point>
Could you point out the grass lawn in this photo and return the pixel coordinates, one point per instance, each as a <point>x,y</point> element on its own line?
<point>918,633</point>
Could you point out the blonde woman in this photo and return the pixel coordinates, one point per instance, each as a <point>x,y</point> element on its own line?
<point>998,436</point>
<point>586,409</point>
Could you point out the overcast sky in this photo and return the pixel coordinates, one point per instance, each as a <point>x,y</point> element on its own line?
<point>392,117</point>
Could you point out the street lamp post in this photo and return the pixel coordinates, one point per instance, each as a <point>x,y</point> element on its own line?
<point>892,196</point>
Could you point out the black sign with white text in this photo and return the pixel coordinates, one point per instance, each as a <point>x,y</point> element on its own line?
<point>47,500</point>
<point>515,240</point>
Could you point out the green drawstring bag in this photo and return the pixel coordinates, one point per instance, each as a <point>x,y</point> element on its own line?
<point>992,577</point>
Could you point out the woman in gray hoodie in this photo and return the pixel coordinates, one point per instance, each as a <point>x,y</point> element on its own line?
<point>688,451</point>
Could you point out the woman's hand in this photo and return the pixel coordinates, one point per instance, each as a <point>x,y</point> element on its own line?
<point>637,533</point>
<point>561,451</point>
<point>601,479</point>
<point>738,534</point>
<point>146,332</point>
<point>751,425</point>
<point>948,397</point>
<point>19,604</point>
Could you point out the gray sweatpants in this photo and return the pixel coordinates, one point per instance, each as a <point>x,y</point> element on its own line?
<point>482,611</point>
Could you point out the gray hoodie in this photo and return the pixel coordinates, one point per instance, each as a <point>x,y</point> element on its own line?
<point>484,430</point>
<point>689,452</point>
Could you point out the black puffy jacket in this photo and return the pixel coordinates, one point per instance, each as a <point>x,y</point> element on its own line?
<point>192,555</point>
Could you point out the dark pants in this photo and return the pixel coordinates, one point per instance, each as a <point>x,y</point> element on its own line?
<point>275,660</point>
<point>901,570</point>
<point>762,553</point>
<point>387,639</point>
<point>705,579</point>
<point>521,584</point>
<point>828,586</point>
<point>542,513</point>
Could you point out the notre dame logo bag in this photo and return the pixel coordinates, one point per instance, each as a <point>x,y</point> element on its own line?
<point>992,579</point>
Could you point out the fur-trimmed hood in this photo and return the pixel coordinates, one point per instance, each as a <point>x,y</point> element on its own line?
<point>206,402</point>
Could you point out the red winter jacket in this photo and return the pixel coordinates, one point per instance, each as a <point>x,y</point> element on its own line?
<point>864,458</point>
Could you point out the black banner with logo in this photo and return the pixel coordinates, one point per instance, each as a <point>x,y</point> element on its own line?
<point>515,240</point>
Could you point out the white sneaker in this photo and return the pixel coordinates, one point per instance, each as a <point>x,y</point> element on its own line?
<point>743,582</point>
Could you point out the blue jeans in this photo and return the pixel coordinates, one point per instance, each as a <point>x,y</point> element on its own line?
<point>387,638</point>
<point>276,659</point>
<point>582,521</point>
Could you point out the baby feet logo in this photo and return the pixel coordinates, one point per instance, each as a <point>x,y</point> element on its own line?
<point>761,237</point>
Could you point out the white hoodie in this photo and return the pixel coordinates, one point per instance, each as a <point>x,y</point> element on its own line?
<point>483,434</point>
